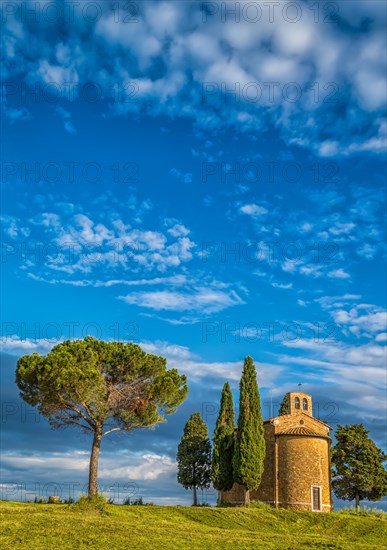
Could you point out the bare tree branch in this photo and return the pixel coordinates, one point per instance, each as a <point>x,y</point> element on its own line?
<point>78,411</point>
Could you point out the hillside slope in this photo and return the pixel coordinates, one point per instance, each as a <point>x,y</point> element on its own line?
<point>39,526</point>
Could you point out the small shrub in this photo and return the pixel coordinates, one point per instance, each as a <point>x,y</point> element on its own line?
<point>94,503</point>
<point>137,502</point>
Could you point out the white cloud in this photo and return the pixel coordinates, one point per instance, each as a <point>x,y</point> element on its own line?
<point>80,244</point>
<point>15,344</point>
<point>338,274</point>
<point>204,300</point>
<point>13,227</point>
<point>313,270</point>
<point>340,363</point>
<point>149,466</point>
<point>328,148</point>
<point>184,177</point>
<point>340,228</point>
<point>327,302</point>
<point>367,251</point>
<point>173,280</point>
<point>360,320</point>
<point>124,466</point>
<point>178,230</point>
<point>253,210</point>
<point>43,463</point>
<point>174,49</point>
<point>183,359</point>
<point>306,227</point>
<point>282,285</point>
<point>68,126</point>
<point>57,74</point>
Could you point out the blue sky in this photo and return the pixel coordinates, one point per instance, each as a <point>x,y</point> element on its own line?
<point>208,184</point>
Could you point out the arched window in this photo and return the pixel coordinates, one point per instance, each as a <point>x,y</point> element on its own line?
<point>296,402</point>
<point>304,404</point>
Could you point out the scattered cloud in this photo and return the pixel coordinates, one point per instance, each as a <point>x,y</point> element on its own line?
<point>14,344</point>
<point>181,176</point>
<point>356,319</point>
<point>253,210</point>
<point>66,116</point>
<point>77,244</point>
<point>338,274</point>
<point>204,300</point>
<point>282,285</point>
<point>192,47</point>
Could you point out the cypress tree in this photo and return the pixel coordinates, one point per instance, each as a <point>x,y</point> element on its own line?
<point>250,446</point>
<point>194,456</point>
<point>223,439</point>
<point>284,407</point>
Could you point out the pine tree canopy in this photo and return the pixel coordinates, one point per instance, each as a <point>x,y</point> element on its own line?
<point>90,382</point>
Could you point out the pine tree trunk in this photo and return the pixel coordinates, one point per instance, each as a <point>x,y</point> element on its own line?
<point>195,496</point>
<point>247,497</point>
<point>93,468</point>
<point>357,502</point>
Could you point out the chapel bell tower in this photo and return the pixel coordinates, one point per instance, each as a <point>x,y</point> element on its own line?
<point>300,402</point>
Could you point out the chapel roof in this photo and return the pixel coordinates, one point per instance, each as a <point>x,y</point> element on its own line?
<point>298,430</point>
<point>284,417</point>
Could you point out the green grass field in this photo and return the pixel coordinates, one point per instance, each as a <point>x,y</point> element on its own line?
<point>43,526</point>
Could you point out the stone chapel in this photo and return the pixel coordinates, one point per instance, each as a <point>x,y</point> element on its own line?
<point>297,464</point>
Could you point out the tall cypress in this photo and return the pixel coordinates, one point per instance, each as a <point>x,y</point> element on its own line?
<point>250,446</point>
<point>223,443</point>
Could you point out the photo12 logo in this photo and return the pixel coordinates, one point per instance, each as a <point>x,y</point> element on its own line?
<point>70,172</point>
<point>50,333</point>
<point>271,331</point>
<point>51,92</point>
<point>291,252</point>
<point>65,12</point>
<point>270,12</point>
<point>268,172</point>
<point>327,411</point>
<point>268,93</point>
<point>67,491</point>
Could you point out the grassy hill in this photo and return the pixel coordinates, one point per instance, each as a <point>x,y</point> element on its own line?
<point>42,526</point>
